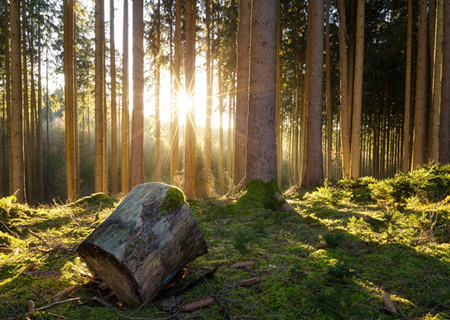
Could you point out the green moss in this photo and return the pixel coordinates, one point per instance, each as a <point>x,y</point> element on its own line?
<point>173,200</point>
<point>96,199</point>
<point>261,195</point>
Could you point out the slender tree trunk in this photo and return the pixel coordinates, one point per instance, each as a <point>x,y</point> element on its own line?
<point>125,166</point>
<point>40,182</point>
<point>229,148</point>
<point>406,159</point>
<point>433,124</point>
<point>69,98</point>
<point>419,111</point>
<point>221,93</point>
<point>26,120</point>
<point>190,152</point>
<point>99,92</point>
<point>343,88</point>
<point>33,154</point>
<point>157,91</point>
<point>242,90</point>
<point>8,95</point>
<point>47,108</point>
<point>357,92</point>
<point>312,172</point>
<point>329,106</point>
<point>114,145</point>
<point>17,158</point>
<point>278,123</point>
<point>444,125</point>
<point>261,141</point>
<point>137,133</point>
<point>105,124</point>
<point>176,69</point>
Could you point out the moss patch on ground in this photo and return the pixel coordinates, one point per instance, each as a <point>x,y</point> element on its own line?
<point>328,260</point>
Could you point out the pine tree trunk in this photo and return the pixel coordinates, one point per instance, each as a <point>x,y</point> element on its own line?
<point>33,154</point>
<point>419,111</point>
<point>329,110</point>
<point>444,125</point>
<point>26,120</point>
<point>125,153</point>
<point>99,93</point>
<point>312,171</point>
<point>229,148</point>
<point>261,142</point>
<point>8,95</point>
<point>137,130</point>
<point>17,158</point>
<point>433,124</point>
<point>190,152</point>
<point>176,69</point>
<point>114,145</point>
<point>242,103</point>
<point>157,93</point>
<point>278,123</point>
<point>357,92</point>
<point>220,165</point>
<point>406,159</point>
<point>40,181</point>
<point>343,88</point>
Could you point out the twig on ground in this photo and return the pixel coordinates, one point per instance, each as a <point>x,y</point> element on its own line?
<point>143,318</point>
<point>48,306</point>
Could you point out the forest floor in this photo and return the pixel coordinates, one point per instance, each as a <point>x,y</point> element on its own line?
<point>333,258</point>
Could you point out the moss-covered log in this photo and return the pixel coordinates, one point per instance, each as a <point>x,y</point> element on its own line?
<point>144,243</point>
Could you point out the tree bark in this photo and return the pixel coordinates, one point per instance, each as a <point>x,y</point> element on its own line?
<point>8,95</point>
<point>278,121</point>
<point>406,159</point>
<point>357,92</point>
<point>444,125</point>
<point>329,106</point>
<point>114,146</point>
<point>312,171</point>
<point>261,142</point>
<point>157,93</point>
<point>419,111</point>
<point>343,88</point>
<point>137,134</point>
<point>40,181</point>
<point>17,158</point>
<point>242,90</point>
<point>125,153</point>
<point>99,87</point>
<point>190,152</point>
<point>433,124</point>
<point>26,120</point>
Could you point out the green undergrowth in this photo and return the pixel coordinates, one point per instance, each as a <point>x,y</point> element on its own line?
<point>261,195</point>
<point>331,259</point>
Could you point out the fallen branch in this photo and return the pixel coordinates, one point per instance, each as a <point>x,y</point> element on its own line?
<point>63,293</point>
<point>6,250</point>
<point>188,307</point>
<point>243,264</point>
<point>101,301</point>
<point>250,282</point>
<point>48,306</point>
<point>9,230</point>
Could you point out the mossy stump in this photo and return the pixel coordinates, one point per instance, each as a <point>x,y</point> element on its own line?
<point>144,243</point>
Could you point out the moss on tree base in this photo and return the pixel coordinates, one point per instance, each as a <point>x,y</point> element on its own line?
<point>260,194</point>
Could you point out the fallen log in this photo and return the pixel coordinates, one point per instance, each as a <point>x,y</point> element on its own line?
<point>144,243</point>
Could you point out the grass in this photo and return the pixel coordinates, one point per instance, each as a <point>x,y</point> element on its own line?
<point>328,260</point>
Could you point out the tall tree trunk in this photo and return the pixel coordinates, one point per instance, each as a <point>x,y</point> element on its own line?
<point>419,111</point>
<point>278,123</point>
<point>229,148</point>
<point>8,95</point>
<point>261,142</point>
<point>176,69</point>
<point>69,98</point>
<point>125,153</point>
<point>105,125</point>
<point>47,108</point>
<point>17,159</point>
<point>209,93</point>
<point>357,92</point>
<point>444,125</point>
<point>312,172</point>
<point>190,152</point>
<point>406,160</point>
<point>343,88</point>
<point>99,92</point>
<point>137,130</point>
<point>114,145</point>
<point>220,164</point>
<point>242,90</point>
<point>40,181</point>
<point>433,124</point>
<point>329,110</point>
<point>26,120</point>
<point>157,91</point>
<point>33,117</point>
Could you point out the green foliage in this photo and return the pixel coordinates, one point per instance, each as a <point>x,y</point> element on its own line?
<point>359,188</point>
<point>261,195</point>
<point>334,238</point>
<point>327,196</point>
<point>173,200</point>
